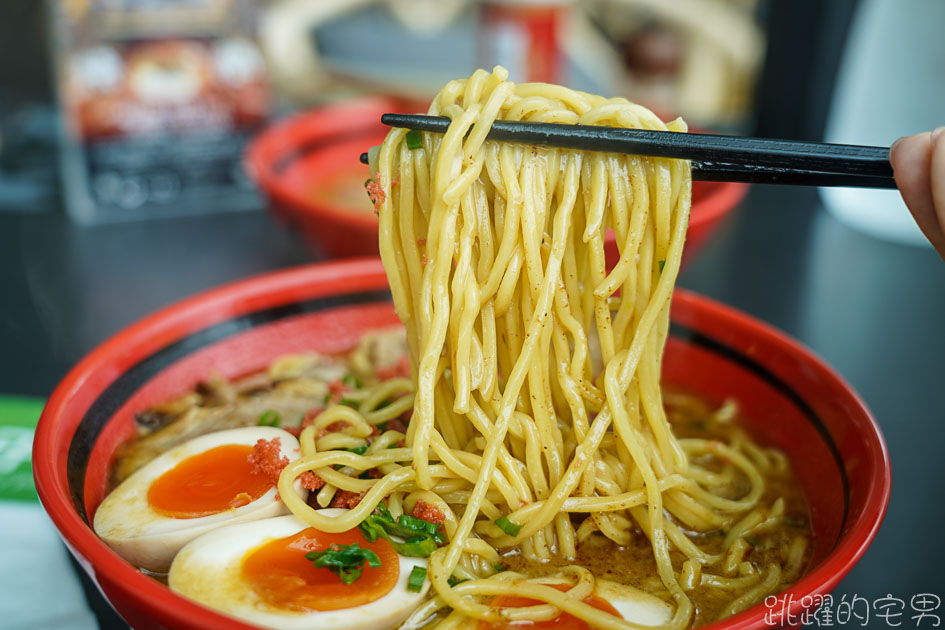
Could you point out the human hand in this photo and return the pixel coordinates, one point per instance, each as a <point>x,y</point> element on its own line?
<point>919,168</point>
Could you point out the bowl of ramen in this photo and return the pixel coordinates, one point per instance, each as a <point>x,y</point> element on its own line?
<point>223,360</point>
<point>489,428</point>
<point>308,167</point>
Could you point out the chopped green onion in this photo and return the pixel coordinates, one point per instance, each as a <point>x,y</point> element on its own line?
<point>453,580</point>
<point>415,581</point>
<point>508,526</point>
<point>420,537</point>
<point>358,450</point>
<point>416,524</point>
<point>350,402</point>
<point>352,380</point>
<point>345,561</point>
<point>662,264</point>
<point>413,139</point>
<point>500,567</point>
<point>270,418</point>
<point>327,399</point>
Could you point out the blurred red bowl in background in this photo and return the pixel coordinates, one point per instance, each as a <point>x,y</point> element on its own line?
<point>308,167</point>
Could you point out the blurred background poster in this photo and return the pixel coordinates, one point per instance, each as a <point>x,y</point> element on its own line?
<point>157,100</point>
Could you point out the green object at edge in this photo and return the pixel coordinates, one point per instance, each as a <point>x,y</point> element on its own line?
<point>18,418</point>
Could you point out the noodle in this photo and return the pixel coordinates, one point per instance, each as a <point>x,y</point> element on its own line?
<point>535,391</point>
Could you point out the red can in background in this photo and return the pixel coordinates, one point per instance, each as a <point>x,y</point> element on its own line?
<point>522,36</point>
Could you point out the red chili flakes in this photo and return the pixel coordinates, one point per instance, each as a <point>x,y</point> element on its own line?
<point>336,391</point>
<point>338,387</point>
<point>311,481</point>
<point>346,499</point>
<point>376,193</point>
<point>429,513</point>
<point>267,458</point>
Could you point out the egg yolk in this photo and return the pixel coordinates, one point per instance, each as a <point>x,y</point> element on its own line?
<point>564,621</point>
<point>214,481</point>
<point>282,577</point>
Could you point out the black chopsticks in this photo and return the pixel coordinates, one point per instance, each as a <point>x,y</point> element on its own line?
<point>714,158</point>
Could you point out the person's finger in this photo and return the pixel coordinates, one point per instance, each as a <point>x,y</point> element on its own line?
<point>937,174</point>
<point>911,158</point>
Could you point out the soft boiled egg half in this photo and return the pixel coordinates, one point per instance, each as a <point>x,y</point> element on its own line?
<point>189,490</point>
<point>258,572</point>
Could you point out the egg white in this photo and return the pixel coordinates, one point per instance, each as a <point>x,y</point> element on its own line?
<point>633,604</point>
<point>149,540</point>
<point>208,571</point>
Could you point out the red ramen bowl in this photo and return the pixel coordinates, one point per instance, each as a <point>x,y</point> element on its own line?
<point>790,398</point>
<point>308,167</point>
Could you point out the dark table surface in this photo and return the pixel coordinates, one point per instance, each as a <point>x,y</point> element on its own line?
<point>873,309</point>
